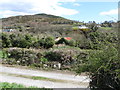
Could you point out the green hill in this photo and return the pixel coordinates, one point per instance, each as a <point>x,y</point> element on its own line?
<point>38,23</point>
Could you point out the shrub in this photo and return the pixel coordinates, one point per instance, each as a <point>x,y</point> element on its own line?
<point>16,40</point>
<point>5,40</point>
<point>71,43</point>
<point>104,69</point>
<point>61,56</point>
<point>43,59</point>
<point>53,56</point>
<point>46,42</point>
<point>3,54</point>
<point>49,42</point>
<point>22,43</point>
<point>23,56</point>
<point>84,44</point>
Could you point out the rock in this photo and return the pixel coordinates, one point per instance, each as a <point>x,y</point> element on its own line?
<point>59,65</point>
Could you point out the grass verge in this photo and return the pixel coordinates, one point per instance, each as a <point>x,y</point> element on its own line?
<point>4,85</point>
<point>13,85</point>
<point>34,77</point>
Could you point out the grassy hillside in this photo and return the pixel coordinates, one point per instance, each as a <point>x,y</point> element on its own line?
<point>38,23</point>
<point>33,43</point>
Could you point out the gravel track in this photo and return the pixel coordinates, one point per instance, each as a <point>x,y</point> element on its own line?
<point>40,83</point>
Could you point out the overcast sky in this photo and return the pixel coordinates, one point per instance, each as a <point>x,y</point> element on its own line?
<point>80,10</point>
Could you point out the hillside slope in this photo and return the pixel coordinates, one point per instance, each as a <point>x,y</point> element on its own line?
<point>38,23</point>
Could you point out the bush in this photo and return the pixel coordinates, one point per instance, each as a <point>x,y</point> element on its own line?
<point>46,42</point>
<point>22,56</point>
<point>71,43</point>
<point>26,41</point>
<point>84,44</point>
<point>13,40</point>
<point>49,42</point>
<point>63,57</point>
<point>43,59</point>
<point>5,40</point>
<point>104,69</point>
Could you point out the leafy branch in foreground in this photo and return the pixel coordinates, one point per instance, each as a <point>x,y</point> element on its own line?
<point>104,69</point>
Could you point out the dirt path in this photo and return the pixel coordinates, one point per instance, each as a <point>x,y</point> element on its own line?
<point>41,83</point>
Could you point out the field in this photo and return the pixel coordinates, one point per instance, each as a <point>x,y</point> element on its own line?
<point>50,42</point>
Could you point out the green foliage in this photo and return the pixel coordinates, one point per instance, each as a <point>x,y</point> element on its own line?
<point>23,41</point>
<point>106,24</point>
<point>12,85</point>
<point>103,67</point>
<point>46,42</point>
<point>3,54</point>
<point>71,43</point>
<point>84,44</point>
<point>16,40</point>
<point>22,56</point>
<point>49,42</point>
<point>99,40</point>
<point>5,40</point>
<point>53,56</point>
<point>64,57</point>
<point>93,26</point>
<point>75,28</point>
<point>43,59</point>
<point>6,85</point>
